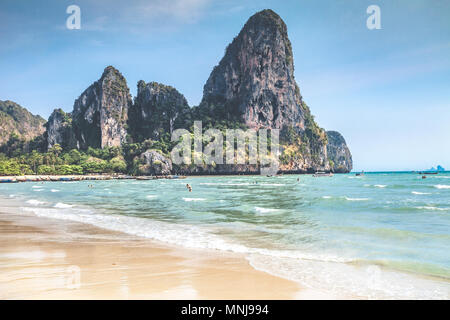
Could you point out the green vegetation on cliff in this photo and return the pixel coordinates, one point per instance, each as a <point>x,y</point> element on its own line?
<point>14,119</point>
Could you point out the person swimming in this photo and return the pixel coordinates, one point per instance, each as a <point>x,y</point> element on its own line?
<point>188,186</point>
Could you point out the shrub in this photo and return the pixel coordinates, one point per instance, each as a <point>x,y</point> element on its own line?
<point>44,169</point>
<point>118,164</point>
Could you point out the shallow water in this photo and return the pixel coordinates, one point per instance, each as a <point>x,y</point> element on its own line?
<point>382,235</point>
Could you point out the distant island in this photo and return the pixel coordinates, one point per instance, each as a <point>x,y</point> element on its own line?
<point>108,131</point>
<point>438,169</point>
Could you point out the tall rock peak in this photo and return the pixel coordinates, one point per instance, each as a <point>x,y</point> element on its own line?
<point>157,109</point>
<point>100,114</point>
<point>59,130</point>
<point>254,81</point>
<point>338,153</point>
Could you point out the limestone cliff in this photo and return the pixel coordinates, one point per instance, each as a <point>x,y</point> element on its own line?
<point>60,131</point>
<point>254,81</point>
<point>254,84</point>
<point>154,163</point>
<point>100,114</point>
<point>338,153</point>
<point>157,109</point>
<point>15,119</point>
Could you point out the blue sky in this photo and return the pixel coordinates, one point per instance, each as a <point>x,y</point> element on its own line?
<point>387,91</point>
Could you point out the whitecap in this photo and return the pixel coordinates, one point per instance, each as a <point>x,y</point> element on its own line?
<point>35,202</point>
<point>442,186</point>
<point>326,197</point>
<point>54,190</point>
<point>151,196</point>
<point>432,208</point>
<point>356,199</point>
<point>266,210</point>
<point>380,185</point>
<point>61,205</point>
<point>417,192</point>
<point>193,199</point>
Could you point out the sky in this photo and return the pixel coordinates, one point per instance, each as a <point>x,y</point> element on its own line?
<point>386,90</point>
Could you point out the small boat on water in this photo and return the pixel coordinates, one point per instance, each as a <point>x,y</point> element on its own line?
<point>178,177</point>
<point>8,181</point>
<point>322,174</point>
<point>145,178</point>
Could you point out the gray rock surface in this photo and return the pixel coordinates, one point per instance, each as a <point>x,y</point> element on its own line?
<point>339,153</point>
<point>254,81</point>
<point>154,163</point>
<point>157,109</point>
<point>59,130</point>
<point>100,114</point>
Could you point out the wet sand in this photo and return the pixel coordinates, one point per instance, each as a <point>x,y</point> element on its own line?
<point>43,258</point>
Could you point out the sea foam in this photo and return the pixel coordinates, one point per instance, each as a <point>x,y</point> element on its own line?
<point>62,205</point>
<point>366,281</point>
<point>193,199</point>
<point>419,193</point>
<point>266,210</point>
<point>442,186</point>
<point>432,208</point>
<point>35,202</point>
<point>356,199</point>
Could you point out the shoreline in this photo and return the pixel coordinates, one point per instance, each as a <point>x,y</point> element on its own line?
<point>107,176</point>
<point>42,258</point>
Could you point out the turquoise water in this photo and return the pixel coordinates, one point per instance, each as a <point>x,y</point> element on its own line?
<point>382,235</point>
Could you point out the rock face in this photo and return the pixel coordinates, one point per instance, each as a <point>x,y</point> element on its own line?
<point>154,163</point>
<point>253,86</point>
<point>15,119</point>
<point>100,114</point>
<point>60,131</point>
<point>338,153</point>
<point>157,109</point>
<point>254,81</point>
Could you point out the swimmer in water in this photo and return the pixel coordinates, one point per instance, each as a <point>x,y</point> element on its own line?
<point>189,187</point>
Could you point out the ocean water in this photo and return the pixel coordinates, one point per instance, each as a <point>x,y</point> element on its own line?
<point>382,235</point>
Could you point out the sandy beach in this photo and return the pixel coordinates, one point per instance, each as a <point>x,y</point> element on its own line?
<point>43,258</point>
